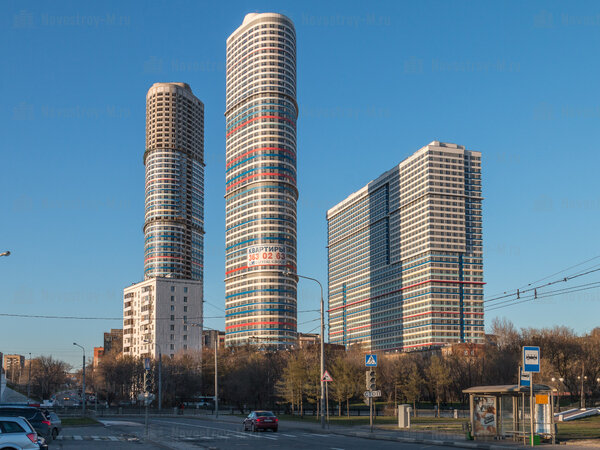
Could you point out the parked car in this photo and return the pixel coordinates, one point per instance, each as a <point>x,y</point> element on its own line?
<point>34,416</point>
<point>261,420</point>
<point>17,432</point>
<point>55,423</point>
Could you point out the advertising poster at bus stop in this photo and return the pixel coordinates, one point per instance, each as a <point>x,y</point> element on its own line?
<point>484,416</point>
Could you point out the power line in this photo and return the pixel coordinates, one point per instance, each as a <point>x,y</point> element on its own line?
<point>533,297</point>
<point>535,288</point>
<point>502,294</point>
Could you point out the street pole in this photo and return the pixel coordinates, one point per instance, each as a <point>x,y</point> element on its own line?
<point>29,379</point>
<point>216,379</point>
<point>83,383</point>
<point>582,394</point>
<point>159,378</point>
<point>371,413</point>
<point>531,406</point>
<point>288,272</point>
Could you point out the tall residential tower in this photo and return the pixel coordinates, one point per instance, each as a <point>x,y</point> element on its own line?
<point>158,312</point>
<point>405,255</point>
<point>261,191</point>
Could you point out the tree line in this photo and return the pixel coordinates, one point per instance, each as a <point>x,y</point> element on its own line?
<point>251,377</point>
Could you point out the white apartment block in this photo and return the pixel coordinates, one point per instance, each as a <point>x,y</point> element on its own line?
<point>406,256</point>
<point>159,315</point>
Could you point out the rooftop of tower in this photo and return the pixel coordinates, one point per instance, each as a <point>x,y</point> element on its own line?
<point>349,199</point>
<point>251,17</point>
<point>183,85</point>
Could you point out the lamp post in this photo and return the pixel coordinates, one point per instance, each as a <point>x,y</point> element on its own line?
<point>29,379</point>
<point>159,373</point>
<point>582,378</point>
<point>6,253</point>
<point>287,272</point>
<point>83,377</point>
<point>202,327</point>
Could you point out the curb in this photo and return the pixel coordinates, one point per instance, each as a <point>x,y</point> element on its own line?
<point>458,444</point>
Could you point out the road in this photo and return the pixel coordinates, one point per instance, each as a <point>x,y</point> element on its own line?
<point>186,433</point>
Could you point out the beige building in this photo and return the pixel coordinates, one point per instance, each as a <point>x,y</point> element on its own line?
<point>406,256</point>
<point>13,366</point>
<point>158,315</point>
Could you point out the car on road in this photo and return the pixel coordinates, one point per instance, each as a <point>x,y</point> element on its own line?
<point>55,423</point>
<point>261,420</point>
<point>34,416</point>
<point>17,432</point>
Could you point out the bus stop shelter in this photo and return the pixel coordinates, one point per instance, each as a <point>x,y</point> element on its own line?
<point>503,412</point>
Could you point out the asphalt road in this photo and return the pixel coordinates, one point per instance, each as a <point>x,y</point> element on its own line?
<point>183,433</point>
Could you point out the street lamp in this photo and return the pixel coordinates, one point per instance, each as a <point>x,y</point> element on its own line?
<point>159,373</point>
<point>83,384</point>
<point>582,378</point>
<point>287,272</point>
<point>6,253</point>
<point>202,327</point>
<point>29,379</point>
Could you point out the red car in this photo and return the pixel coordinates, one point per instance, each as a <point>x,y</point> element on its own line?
<point>261,420</point>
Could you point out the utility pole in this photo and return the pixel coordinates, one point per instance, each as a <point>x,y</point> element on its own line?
<point>216,377</point>
<point>29,379</point>
<point>582,392</point>
<point>287,272</point>
<point>83,383</point>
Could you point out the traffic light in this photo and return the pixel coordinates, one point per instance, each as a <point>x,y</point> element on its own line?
<point>147,381</point>
<point>371,379</point>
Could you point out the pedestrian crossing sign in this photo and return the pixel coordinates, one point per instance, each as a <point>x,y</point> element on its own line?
<point>326,377</point>
<point>371,360</point>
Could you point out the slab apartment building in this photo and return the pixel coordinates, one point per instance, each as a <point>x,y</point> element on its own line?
<point>405,262</point>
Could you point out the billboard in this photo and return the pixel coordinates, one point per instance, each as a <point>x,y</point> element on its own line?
<point>261,255</point>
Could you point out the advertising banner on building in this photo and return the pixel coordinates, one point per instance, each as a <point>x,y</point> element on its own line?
<point>260,255</point>
<point>484,416</point>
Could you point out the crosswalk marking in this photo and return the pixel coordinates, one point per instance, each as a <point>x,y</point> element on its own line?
<point>288,435</point>
<point>96,438</point>
<point>113,438</point>
<point>78,438</point>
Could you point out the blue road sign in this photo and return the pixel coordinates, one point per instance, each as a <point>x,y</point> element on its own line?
<point>147,363</point>
<point>531,359</point>
<point>524,378</point>
<point>371,360</point>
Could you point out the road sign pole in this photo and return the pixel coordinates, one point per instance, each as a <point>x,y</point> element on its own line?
<point>531,405</point>
<point>371,413</point>
<point>327,401</point>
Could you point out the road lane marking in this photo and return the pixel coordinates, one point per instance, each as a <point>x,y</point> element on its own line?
<point>237,433</point>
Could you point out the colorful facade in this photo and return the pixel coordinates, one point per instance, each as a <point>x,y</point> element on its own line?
<point>261,190</point>
<point>174,160</point>
<point>405,255</point>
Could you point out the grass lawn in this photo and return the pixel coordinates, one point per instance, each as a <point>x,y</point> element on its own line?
<point>417,423</point>
<point>71,421</point>
<point>588,428</point>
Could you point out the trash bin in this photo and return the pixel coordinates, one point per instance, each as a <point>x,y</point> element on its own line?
<point>404,416</point>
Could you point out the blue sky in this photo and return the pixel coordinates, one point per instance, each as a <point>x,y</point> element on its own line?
<point>376,82</point>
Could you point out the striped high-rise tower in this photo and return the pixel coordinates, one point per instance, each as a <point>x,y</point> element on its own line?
<point>174,160</point>
<point>261,191</point>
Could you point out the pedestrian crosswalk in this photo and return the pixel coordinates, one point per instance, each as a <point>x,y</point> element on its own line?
<point>77,437</point>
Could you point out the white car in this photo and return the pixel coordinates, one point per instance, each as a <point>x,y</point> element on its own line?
<point>17,433</point>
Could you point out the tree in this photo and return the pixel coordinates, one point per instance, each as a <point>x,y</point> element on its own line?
<point>346,380</point>
<point>47,376</point>
<point>437,374</point>
<point>411,387</point>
